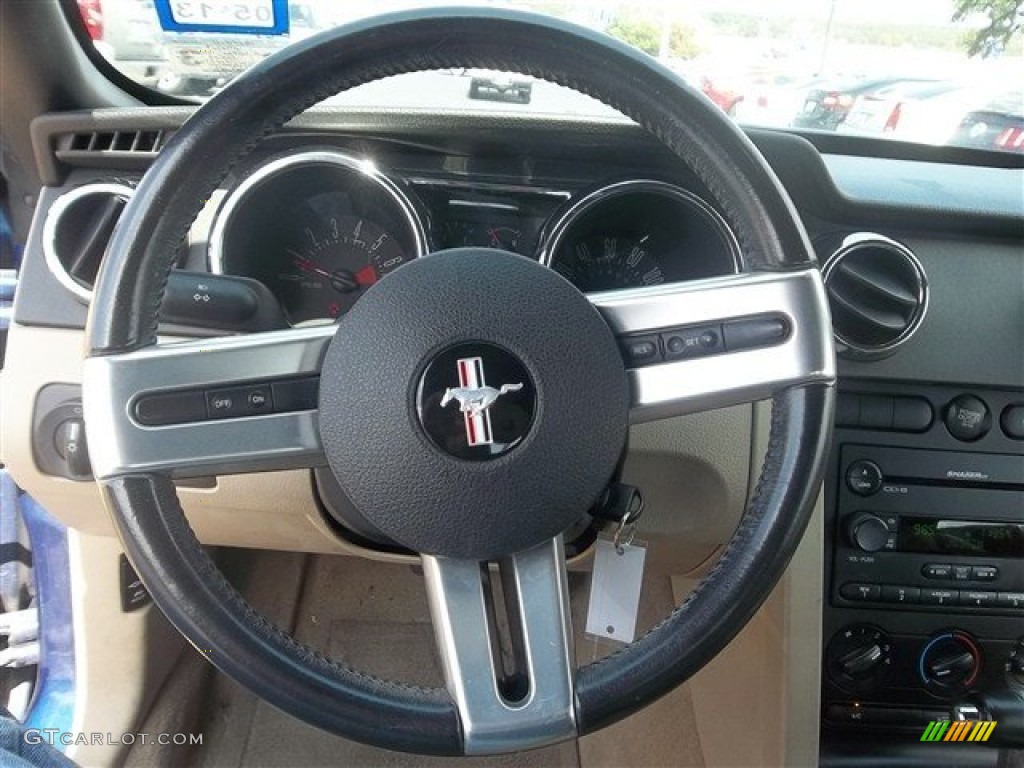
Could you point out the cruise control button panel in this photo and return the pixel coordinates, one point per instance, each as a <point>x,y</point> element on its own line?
<point>687,342</point>
<point>259,398</point>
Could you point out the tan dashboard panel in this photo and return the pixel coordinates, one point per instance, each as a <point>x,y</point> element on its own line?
<point>693,471</point>
<point>271,511</point>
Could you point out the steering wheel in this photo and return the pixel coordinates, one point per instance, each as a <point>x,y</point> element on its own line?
<point>385,367</point>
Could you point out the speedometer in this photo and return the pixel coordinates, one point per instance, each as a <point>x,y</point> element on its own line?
<point>318,229</point>
<point>639,233</point>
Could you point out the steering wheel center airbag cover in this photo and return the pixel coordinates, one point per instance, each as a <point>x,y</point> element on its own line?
<point>375,410</point>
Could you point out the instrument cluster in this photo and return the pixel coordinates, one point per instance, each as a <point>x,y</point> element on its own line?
<point>319,228</point>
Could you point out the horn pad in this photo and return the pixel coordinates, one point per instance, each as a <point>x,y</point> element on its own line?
<point>473,403</point>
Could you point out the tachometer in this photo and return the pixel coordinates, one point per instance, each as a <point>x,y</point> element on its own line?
<point>318,229</point>
<point>327,273</point>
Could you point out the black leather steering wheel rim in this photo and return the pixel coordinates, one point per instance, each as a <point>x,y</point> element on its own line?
<point>183,580</point>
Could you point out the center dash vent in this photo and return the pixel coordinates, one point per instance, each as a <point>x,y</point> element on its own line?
<point>878,294</point>
<point>77,229</point>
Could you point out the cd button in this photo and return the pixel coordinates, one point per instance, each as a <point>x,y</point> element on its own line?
<point>984,572</point>
<point>864,477</point>
<point>937,571</point>
<point>961,573</point>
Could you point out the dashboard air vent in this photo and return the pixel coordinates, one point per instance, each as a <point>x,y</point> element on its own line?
<point>77,229</point>
<point>113,141</point>
<point>878,294</point>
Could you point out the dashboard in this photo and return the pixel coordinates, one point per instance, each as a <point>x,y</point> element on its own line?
<point>319,227</point>
<point>921,257</point>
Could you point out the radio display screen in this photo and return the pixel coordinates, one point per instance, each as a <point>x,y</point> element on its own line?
<point>961,537</point>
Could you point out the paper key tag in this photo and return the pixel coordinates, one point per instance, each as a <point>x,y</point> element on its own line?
<point>615,590</point>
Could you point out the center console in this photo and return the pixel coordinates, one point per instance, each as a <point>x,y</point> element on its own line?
<point>924,557</point>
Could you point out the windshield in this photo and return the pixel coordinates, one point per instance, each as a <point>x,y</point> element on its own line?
<point>923,71</point>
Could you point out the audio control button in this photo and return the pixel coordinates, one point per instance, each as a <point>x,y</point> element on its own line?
<point>864,478</point>
<point>961,573</point>
<point>937,571</point>
<point>984,572</point>
<point>977,599</point>
<point>861,592</point>
<point>1010,600</point>
<point>940,596</point>
<point>869,533</point>
<point>906,595</point>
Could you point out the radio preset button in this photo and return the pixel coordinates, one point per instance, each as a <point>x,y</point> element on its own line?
<point>861,592</point>
<point>940,596</point>
<point>907,595</point>
<point>864,478</point>
<point>937,571</point>
<point>977,599</point>
<point>984,573</point>
<point>1010,599</point>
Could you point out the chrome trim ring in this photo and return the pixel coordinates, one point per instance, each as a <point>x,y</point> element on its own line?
<point>556,234</point>
<point>298,159</point>
<point>49,234</point>
<point>858,240</point>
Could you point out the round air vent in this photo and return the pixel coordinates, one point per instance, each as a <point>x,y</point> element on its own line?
<point>878,294</point>
<point>76,231</point>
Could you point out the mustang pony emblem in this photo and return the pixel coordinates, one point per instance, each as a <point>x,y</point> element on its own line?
<point>474,398</point>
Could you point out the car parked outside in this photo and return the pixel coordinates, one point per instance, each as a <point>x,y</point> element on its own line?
<point>127,34</point>
<point>199,61</point>
<point>992,129</point>
<point>491,84</point>
<point>908,108</point>
<point>828,104</point>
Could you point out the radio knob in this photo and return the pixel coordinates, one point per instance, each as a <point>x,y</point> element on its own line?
<point>868,532</point>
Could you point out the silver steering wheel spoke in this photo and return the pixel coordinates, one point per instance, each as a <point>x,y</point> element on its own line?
<point>185,435</point>
<point>735,367</point>
<point>503,709</point>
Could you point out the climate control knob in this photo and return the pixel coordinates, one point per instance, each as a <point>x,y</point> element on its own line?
<point>859,658</point>
<point>867,532</point>
<point>949,663</point>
